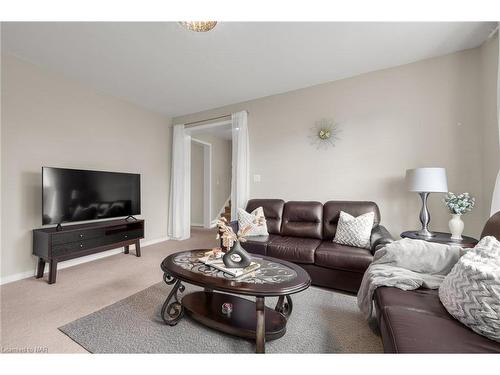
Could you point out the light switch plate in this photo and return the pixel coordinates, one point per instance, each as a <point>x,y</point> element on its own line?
<point>256,178</point>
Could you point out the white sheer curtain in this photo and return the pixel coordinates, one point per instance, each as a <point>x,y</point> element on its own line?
<point>179,213</point>
<point>495,202</point>
<point>240,186</point>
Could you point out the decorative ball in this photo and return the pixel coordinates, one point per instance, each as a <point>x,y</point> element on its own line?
<point>324,133</point>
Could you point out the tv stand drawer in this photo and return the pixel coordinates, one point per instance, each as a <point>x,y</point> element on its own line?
<point>75,247</point>
<point>69,235</point>
<point>131,235</point>
<point>64,237</point>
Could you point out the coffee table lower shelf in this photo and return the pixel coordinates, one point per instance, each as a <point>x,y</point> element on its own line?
<point>248,319</point>
<point>205,308</point>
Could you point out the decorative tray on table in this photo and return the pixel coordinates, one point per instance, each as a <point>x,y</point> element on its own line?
<point>214,259</point>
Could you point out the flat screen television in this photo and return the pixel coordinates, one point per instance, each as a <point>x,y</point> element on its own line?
<point>80,195</point>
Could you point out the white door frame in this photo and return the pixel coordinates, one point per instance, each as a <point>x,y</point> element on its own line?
<point>207,181</point>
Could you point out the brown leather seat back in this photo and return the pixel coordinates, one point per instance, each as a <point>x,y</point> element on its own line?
<point>492,227</point>
<point>273,211</point>
<point>302,219</point>
<point>331,214</point>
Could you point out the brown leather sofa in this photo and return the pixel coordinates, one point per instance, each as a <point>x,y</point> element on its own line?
<point>303,232</point>
<point>415,321</point>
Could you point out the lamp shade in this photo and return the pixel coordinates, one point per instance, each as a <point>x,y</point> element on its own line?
<point>431,180</point>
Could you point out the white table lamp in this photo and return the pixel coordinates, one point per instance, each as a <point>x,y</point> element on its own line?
<point>425,181</point>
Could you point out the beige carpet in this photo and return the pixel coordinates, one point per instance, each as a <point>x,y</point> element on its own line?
<point>32,310</point>
<point>322,321</point>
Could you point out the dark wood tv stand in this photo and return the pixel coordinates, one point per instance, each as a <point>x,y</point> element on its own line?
<point>73,241</point>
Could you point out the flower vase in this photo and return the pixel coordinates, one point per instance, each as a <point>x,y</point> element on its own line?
<point>456,225</point>
<point>237,257</point>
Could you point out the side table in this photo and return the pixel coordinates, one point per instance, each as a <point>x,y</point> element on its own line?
<point>441,237</point>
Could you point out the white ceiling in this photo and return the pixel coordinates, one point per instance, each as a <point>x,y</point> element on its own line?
<point>168,69</point>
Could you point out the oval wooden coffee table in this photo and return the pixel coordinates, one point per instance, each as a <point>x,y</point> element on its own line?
<point>248,319</point>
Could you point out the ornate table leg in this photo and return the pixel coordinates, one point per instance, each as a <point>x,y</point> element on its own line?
<point>172,310</point>
<point>284,308</point>
<point>260,332</point>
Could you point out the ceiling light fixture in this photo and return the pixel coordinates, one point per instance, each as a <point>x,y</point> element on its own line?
<point>199,26</point>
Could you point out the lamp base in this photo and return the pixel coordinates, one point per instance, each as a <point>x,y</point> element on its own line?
<point>424,233</point>
<point>425,217</point>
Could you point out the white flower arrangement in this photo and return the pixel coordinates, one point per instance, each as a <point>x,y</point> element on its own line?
<point>459,204</point>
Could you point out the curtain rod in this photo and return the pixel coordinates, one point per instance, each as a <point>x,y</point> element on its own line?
<point>193,123</point>
<point>208,119</point>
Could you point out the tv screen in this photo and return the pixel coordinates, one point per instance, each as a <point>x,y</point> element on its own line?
<point>79,195</point>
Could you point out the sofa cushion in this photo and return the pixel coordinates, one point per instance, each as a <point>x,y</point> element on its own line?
<point>422,299</point>
<point>414,331</point>
<point>331,214</point>
<point>273,212</point>
<point>258,244</point>
<point>294,249</point>
<point>342,257</point>
<point>302,219</point>
<point>416,322</point>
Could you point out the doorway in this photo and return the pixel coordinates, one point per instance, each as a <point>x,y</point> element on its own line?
<point>211,172</point>
<point>201,183</point>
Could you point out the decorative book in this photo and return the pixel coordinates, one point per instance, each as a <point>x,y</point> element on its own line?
<point>216,262</point>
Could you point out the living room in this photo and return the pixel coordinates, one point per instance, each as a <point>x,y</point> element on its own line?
<point>181,187</point>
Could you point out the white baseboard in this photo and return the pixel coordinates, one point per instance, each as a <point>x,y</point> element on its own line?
<point>74,262</point>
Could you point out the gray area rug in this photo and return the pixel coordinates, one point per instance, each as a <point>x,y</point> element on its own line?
<point>322,321</point>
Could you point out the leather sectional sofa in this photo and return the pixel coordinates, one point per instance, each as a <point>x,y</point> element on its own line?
<point>303,232</point>
<point>415,321</point>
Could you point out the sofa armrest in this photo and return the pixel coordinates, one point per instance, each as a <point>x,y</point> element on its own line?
<point>379,238</point>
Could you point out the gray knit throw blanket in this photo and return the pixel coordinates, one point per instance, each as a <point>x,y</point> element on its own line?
<point>407,264</point>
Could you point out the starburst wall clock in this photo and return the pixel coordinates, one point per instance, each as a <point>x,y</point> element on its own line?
<point>324,133</point>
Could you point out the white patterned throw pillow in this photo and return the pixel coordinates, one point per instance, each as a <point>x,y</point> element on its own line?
<point>256,216</point>
<point>471,291</point>
<point>354,231</point>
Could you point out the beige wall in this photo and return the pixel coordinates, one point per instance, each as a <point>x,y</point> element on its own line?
<point>197,173</point>
<point>221,170</point>
<point>50,121</point>
<point>423,114</point>
<point>490,138</point>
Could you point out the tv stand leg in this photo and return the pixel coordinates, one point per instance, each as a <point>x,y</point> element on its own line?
<point>138,248</point>
<point>126,249</point>
<point>40,268</point>
<point>52,271</point>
